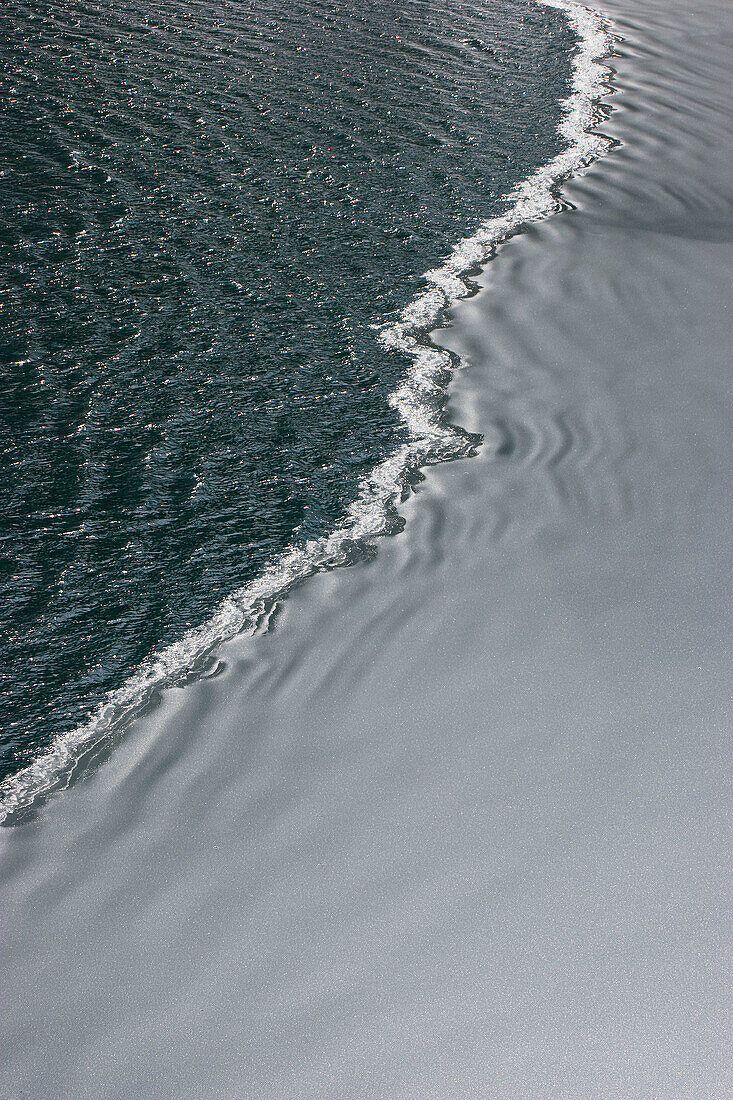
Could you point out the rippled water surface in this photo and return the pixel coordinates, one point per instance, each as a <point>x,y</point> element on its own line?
<point>206,207</point>
<point>458,826</point>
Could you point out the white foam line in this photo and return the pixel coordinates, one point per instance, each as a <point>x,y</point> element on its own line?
<point>418,402</point>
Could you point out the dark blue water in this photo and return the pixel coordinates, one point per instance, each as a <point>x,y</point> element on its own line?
<point>205,208</point>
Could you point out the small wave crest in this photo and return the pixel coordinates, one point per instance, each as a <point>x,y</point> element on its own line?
<point>419,401</point>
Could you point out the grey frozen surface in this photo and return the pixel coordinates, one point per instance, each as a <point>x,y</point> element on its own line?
<point>459,824</point>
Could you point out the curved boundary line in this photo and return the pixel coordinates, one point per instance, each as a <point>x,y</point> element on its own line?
<point>418,400</point>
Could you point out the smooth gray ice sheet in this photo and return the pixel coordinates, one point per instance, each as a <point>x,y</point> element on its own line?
<point>458,825</point>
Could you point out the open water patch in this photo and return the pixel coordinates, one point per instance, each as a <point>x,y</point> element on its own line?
<point>224,219</point>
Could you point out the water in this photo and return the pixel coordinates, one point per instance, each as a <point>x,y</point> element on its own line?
<point>208,212</point>
<point>457,826</point>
